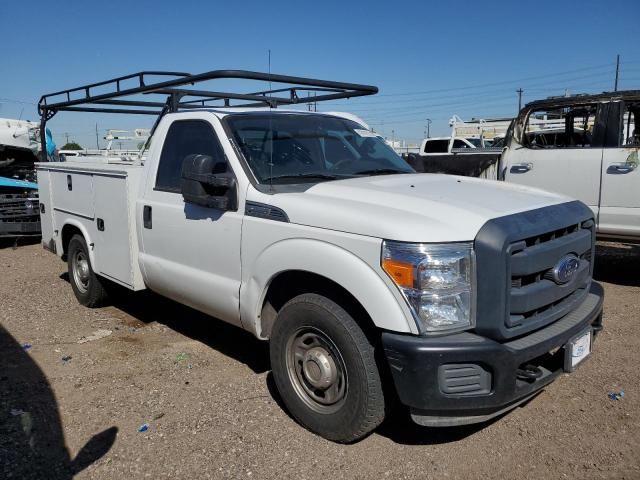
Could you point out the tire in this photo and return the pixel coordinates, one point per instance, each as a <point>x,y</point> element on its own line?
<point>86,285</point>
<point>325,371</point>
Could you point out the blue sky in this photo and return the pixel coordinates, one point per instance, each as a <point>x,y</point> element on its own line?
<point>429,59</point>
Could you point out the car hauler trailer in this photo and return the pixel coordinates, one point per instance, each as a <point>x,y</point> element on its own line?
<point>461,298</point>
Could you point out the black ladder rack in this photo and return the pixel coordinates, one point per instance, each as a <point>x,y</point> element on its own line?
<point>114,96</point>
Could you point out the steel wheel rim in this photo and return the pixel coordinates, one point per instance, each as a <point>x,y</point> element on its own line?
<point>80,270</point>
<point>316,370</point>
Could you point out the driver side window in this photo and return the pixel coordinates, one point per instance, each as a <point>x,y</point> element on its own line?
<point>184,137</point>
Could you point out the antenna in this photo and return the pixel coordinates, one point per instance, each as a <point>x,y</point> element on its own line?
<point>269,68</point>
<point>270,130</point>
<point>615,88</point>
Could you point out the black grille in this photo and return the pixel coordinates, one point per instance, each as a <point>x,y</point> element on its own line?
<point>14,208</point>
<point>535,297</point>
<point>519,251</point>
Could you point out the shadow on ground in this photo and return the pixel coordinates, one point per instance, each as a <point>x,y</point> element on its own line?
<point>242,346</point>
<point>15,242</point>
<point>31,438</point>
<point>618,263</point>
<point>232,341</point>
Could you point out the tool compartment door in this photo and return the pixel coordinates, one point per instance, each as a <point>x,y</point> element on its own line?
<point>113,237</point>
<point>72,192</point>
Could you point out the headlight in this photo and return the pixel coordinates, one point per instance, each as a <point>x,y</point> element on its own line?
<point>437,281</point>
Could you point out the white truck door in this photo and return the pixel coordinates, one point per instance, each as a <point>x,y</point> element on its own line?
<point>189,253</point>
<point>620,202</point>
<point>555,153</point>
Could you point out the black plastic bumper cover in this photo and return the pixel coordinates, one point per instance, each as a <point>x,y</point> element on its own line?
<point>414,363</point>
<point>19,228</point>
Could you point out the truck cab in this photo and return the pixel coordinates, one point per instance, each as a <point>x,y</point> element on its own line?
<point>584,146</point>
<point>445,145</point>
<point>458,297</point>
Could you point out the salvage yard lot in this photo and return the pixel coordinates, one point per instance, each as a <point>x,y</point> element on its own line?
<point>205,391</point>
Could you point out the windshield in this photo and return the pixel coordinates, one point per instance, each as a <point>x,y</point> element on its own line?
<point>297,148</point>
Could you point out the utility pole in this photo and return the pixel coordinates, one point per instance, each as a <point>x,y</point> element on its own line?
<point>519,92</point>
<point>615,88</point>
<point>67,135</point>
<point>97,144</point>
<point>427,133</point>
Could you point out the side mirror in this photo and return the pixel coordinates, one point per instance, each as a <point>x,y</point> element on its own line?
<point>207,183</point>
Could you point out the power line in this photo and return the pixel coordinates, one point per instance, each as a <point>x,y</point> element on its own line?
<point>505,82</point>
<point>381,102</point>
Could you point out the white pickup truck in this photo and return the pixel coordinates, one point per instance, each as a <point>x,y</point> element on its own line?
<point>458,297</point>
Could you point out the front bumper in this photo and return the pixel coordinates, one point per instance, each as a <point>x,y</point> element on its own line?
<point>416,365</point>
<point>16,228</point>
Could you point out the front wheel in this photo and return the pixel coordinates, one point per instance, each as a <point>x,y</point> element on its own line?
<point>86,285</point>
<point>325,371</point>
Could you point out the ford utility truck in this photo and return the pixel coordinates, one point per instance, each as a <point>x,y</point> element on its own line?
<point>374,285</point>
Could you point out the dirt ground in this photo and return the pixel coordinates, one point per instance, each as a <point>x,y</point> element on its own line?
<point>205,391</point>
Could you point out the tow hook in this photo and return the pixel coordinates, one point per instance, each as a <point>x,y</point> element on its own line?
<point>529,373</point>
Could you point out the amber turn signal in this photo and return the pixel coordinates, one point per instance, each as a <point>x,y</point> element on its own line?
<point>401,273</point>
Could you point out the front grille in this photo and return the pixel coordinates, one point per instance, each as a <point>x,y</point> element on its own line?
<point>515,256</point>
<point>534,297</point>
<point>14,208</point>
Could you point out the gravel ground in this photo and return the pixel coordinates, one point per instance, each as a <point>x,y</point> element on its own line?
<point>205,391</point>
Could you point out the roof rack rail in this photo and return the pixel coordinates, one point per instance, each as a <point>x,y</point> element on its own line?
<point>78,99</point>
<point>109,96</point>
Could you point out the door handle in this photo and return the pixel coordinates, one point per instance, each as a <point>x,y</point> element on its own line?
<point>620,168</point>
<point>146,217</point>
<point>520,167</point>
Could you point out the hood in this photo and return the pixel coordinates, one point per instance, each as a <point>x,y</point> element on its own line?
<point>412,208</point>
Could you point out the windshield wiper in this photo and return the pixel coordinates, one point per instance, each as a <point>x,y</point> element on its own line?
<point>380,171</point>
<point>320,176</point>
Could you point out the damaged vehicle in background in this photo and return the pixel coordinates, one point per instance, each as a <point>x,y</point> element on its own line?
<point>19,150</point>
<point>586,147</point>
<point>583,146</point>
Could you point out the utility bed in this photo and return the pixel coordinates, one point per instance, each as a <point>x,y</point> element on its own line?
<point>99,194</point>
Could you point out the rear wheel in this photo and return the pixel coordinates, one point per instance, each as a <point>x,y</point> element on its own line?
<point>324,368</point>
<point>86,285</point>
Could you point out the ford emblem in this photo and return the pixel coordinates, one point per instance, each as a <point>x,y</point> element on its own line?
<point>563,271</point>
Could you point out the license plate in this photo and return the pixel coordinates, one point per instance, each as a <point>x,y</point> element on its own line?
<point>577,350</point>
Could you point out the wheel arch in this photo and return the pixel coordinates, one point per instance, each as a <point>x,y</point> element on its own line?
<point>70,228</point>
<point>292,267</point>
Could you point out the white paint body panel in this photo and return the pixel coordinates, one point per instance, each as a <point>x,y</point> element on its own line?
<point>585,174</point>
<point>574,172</point>
<point>411,208</point>
<point>620,199</point>
<point>222,263</point>
<point>100,190</point>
